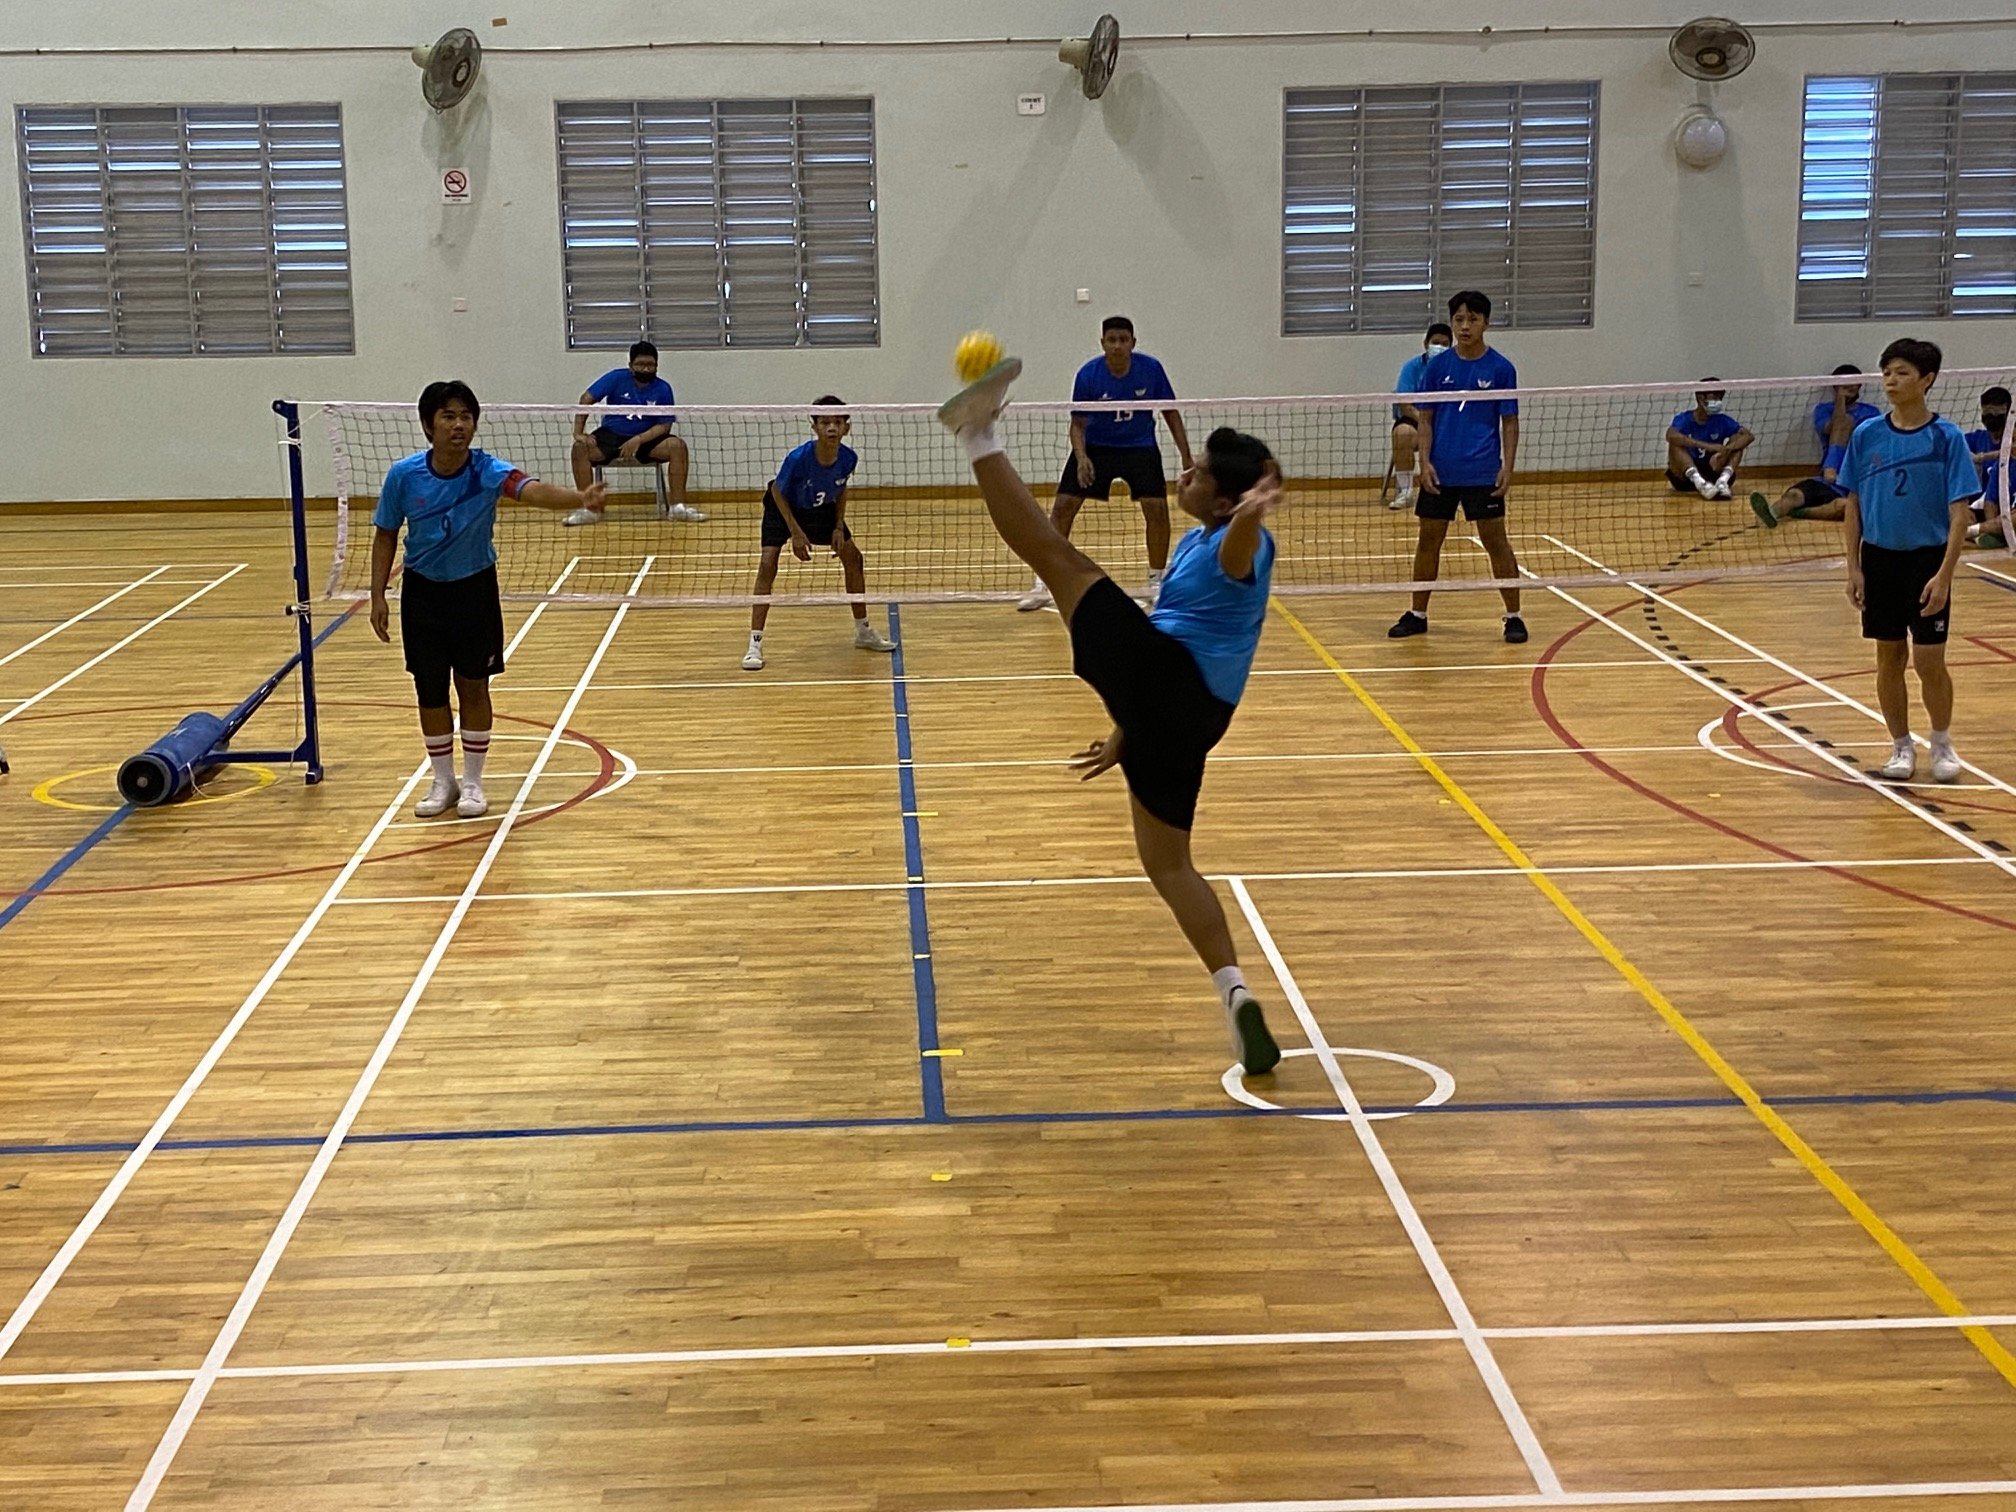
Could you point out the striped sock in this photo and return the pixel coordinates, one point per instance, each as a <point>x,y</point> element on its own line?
<point>475,747</point>
<point>441,752</point>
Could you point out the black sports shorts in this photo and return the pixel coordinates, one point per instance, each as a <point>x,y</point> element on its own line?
<point>449,627</point>
<point>1891,584</point>
<point>1477,503</point>
<point>816,523</point>
<point>1148,680</point>
<point>1139,467</point>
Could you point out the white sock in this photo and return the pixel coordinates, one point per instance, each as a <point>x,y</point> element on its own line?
<point>979,442</point>
<point>475,751</point>
<point>755,637</point>
<point>1901,745</point>
<point>1694,476</point>
<point>1728,477</point>
<point>1154,574</point>
<point>1231,984</point>
<point>1404,481</point>
<point>1942,740</point>
<point>441,753</point>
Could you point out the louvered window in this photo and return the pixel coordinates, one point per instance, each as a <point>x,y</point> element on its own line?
<point>1395,198</point>
<point>185,231</point>
<point>1907,197</point>
<point>710,223</point>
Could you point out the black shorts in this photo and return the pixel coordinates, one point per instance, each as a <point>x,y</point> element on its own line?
<point>1149,682</point>
<point>450,627</point>
<point>1478,504</point>
<point>1891,584</point>
<point>816,523</point>
<point>1139,467</point>
<point>1814,492</point>
<point>608,442</point>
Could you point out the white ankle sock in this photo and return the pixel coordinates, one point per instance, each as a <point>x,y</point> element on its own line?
<point>1230,982</point>
<point>755,637</point>
<point>1694,476</point>
<point>1942,740</point>
<point>979,442</point>
<point>1728,476</point>
<point>1901,743</point>
<point>1404,481</point>
<point>475,751</point>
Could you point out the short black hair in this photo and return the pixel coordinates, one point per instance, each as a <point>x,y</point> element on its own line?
<point>1236,461</point>
<point>437,395</point>
<point>1704,382</point>
<point>1440,328</point>
<point>1925,356</point>
<point>1116,323</point>
<point>1846,367</point>
<point>825,401</point>
<point>642,349</point>
<point>1476,301</point>
<point>1995,395</point>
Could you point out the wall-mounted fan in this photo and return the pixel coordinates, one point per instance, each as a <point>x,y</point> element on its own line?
<point>448,67</point>
<point>1094,56</point>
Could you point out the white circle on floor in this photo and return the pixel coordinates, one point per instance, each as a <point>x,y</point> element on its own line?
<point>1444,1085</point>
<point>1706,736</point>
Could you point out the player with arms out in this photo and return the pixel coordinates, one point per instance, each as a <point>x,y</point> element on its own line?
<point>1909,479</point>
<point>1705,445</point>
<point>1467,452</point>
<point>451,620</point>
<point>1171,679</point>
<point>627,438</point>
<point>1113,446</point>
<point>805,506</point>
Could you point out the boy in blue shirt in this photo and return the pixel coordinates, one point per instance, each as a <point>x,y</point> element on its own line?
<point>1109,446</point>
<point>1406,421</point>
<point>627,438</point>
<point>1847,403</point>
<point>805,506</point>
<point>1989,528</point>
<point>1909,479</point>
<point>1819,497</point>
<point>1171,679</point>
<point>1467,452</point>
<point>451,619</point>
<point>1704,446</point>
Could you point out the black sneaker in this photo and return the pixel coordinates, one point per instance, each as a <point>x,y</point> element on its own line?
<point>1258,1054</point>
<point>1515,630</point>
<point>1408,624</point>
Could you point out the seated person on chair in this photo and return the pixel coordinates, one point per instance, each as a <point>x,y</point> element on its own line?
<point>1406,419</point>
<point>1986,444</point>
<point>632,439</point>
<point>1820,497</point>
<point>1704,446</point>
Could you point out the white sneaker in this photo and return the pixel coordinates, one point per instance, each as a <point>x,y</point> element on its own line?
<point>868,638</point>
<point>440,798</point>
<point>1725,486</point>
<point>980,401</point>
<point>752,659</point>
<point>1401,500</point>
<point>686,514</point>
<point>1036,598</point>
<point>1902,765</point>
<point>473,805</point>
<point>1702,486</point>
<point>1945,764</point>
<point>584,516</point>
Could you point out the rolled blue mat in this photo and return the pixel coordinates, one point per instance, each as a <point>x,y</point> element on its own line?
<point>170,767</point>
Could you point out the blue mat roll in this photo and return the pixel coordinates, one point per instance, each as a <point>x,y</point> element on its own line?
<point>173,764</point>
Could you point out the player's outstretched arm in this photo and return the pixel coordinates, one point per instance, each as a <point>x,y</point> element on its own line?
<point>1241,542</point>
<point>551,496</point>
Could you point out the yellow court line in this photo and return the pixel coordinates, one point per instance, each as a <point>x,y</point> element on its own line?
<point>1926,1279</point>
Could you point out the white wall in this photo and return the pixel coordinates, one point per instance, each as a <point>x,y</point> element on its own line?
<point>1163,199</point>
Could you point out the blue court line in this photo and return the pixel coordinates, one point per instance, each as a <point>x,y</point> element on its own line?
<point>923,979</point>
<point>111,822</point>
<point>1123,1115</point>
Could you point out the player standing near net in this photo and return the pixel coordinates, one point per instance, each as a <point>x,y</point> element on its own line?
<point>1171,679</point>
<point>451,620</point>
<point>804,506</point>
<point>1910,480</point>
<point>1406,422</point>
<point>1112,446</point>
<point>1467,452</point>
<point>1705,445</point>
<point>628,438</point>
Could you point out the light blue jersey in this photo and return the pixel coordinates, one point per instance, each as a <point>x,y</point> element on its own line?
<point>448,520</point>
<point>1410,375</point>
<point>1216,617</point>
<point>1906,481</point>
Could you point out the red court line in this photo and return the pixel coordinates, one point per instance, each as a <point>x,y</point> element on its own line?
<point>605,759</point>
<point>1568,738</point>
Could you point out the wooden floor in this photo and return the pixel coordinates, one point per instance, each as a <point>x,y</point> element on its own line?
<point>745,1116</point>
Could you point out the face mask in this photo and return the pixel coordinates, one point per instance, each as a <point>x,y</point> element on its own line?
<point>1713,406</point>
<point>1435,349</point>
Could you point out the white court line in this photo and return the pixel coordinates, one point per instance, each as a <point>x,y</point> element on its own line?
<point>764,889</point>
<point>105,582</point>
<point>119,645</point>
<point>2002,577</point>
<point>1528,1442</point>
<point>24,1312</point>
<point>1773,720</point>
<point>1076,1344</point>
<point>1825,689</point>
<point>1020,677</point>
<point>110,598</point>
<point>228,1335</point>
<point>1688,1497</point>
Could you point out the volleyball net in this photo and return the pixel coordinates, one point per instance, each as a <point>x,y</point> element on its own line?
<point>1591,495</point>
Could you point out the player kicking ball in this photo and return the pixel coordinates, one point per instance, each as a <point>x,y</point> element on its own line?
<point>451,620</point>
<point>1172,678</point>
<point>805,506</point>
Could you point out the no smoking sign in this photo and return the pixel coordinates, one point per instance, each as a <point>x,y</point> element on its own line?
<point>455,188</point>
